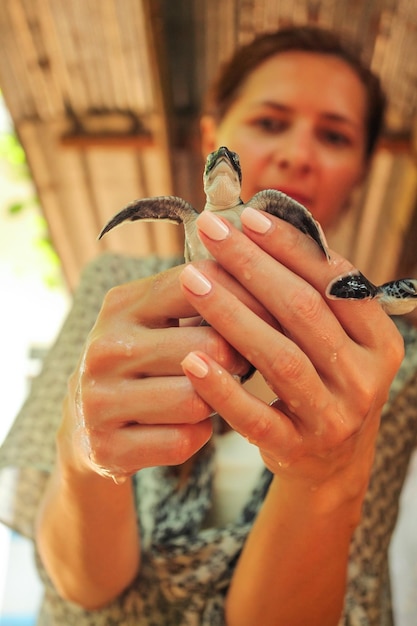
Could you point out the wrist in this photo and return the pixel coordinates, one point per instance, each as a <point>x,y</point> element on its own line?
<point>330,499</point>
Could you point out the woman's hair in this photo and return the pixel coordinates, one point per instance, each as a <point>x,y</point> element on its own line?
<point>225,89</point>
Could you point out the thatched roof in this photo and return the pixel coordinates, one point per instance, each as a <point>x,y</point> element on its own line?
<point>104,96</point>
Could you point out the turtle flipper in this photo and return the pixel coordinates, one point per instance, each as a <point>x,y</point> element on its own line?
<point>282,206</point>
<point>396,297</point>
<point>169,208</point>
<point>352,286</point>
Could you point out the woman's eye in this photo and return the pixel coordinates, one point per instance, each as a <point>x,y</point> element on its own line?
<point>270,125</point>
<point>335,138</point>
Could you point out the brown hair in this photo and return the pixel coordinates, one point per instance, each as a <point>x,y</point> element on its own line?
<point>232,75</point>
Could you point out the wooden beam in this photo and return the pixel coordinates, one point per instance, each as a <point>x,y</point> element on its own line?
<point>111,141</point>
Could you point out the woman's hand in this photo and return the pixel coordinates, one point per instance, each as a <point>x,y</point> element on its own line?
<point>129,405</point>
<point>329,362</point>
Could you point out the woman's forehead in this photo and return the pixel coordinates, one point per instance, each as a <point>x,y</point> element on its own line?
<point>298,78</point>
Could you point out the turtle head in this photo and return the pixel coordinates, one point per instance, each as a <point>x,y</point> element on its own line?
<point>222,179</point>
<point>399,296</point>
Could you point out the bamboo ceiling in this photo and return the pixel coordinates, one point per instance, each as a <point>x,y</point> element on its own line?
<point>104,95</point>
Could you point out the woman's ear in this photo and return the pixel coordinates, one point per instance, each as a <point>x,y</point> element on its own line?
<point>208,130</point>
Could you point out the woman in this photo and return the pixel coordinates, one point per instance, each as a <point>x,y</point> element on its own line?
<point>148,378</point>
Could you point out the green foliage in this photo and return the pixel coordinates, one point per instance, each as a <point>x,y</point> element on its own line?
<point>16,208</point>
<point>13,154</point>
<point>12,151</point>
<point>52,276</point>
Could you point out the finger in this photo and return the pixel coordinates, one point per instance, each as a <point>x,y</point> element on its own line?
<point>283,364</point>
<point>364,323</point>
<point>276,356</point>
<point>231,285</point>
<point>299,309</point>
<point>138,352</point>
<point>166,400</point>
<point>154,301</point>
<point>299,254</point>
<point>134,447</point>
<point>253,419</point>
<point>157,301</point>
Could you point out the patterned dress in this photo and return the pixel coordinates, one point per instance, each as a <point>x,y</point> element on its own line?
<point>187,567</point>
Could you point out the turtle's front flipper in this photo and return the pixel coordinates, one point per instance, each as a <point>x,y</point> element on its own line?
<point>168,208</point>
<point>352,286</point>
<point>287,209</point>
<point>396,297</point>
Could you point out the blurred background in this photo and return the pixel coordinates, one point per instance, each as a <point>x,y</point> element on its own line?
<point>101,102</point>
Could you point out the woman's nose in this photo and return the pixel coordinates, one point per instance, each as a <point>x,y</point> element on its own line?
<point>296,151</point>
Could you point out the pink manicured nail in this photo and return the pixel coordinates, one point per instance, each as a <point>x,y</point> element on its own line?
<point>212,226</point>
<point>195,281</point>
<point>195,365</point>
<point>255,220</point>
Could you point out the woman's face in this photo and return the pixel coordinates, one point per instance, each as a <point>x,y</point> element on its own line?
<point>298,125</point>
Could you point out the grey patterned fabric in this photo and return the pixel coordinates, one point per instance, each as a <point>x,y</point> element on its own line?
<point>368,599</point>
<point>186,566</point>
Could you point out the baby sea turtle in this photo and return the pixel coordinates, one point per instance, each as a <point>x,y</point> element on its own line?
<point>222,183</point>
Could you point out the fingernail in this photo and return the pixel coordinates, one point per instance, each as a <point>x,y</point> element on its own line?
<point>212,226</point>
<point>193,280</point>
<point>195,365</point>
<point>255,220</point>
